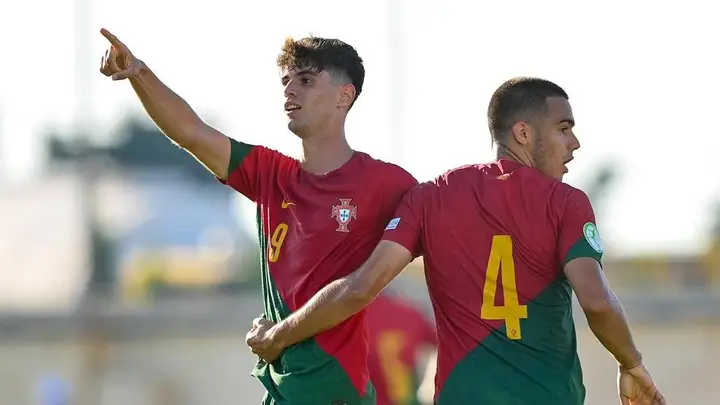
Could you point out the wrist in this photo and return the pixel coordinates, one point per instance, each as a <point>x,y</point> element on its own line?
<point>275,336</point>
<point>142,71</point>
<point>142,67</point>
<point>630,366</point>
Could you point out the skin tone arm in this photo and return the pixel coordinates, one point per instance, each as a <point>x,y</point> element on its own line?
<point>175,118</point>
<point>603,311</point>
<point>342,298</point>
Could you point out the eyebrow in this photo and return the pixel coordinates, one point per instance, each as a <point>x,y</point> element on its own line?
<point>306,72</point>
<point>568,121</point>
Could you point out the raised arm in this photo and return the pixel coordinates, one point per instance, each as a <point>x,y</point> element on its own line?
<point>175,118</point>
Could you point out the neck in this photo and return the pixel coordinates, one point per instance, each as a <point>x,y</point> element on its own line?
<point>323,153</point>
<point>507,152</point>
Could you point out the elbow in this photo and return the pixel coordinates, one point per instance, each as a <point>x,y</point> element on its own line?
<point>598,305</point>
<point>359,296</point>
<point>191,136</point>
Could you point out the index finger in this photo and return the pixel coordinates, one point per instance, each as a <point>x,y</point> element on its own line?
<point>111,38</point>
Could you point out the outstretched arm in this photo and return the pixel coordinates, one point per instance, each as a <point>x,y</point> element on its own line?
<point>342,298</point>
<point>175,118</point>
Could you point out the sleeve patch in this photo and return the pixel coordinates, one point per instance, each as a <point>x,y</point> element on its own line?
<point>592,236</point>
<point>393,224</point>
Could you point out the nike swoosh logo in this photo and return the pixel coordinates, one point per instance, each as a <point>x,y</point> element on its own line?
<point>286,204</point>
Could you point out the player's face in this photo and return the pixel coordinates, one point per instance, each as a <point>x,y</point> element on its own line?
<point>555,142</point>
<point>311,100</point>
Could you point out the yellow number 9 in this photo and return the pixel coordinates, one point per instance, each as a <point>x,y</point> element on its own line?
<point>276,242</point>
<point>397,375</point>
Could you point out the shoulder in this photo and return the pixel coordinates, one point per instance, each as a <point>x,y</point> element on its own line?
<point>559,194</point>
<point>240,150</point>
<point>388,173</point>
<point>565,196</point>
<point>458,173</point>
<point>461,178</point>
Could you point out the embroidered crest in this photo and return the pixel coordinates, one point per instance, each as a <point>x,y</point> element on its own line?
<point>344,213</point>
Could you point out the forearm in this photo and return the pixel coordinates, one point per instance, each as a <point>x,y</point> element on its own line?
<point>329,307</point>
<point>173,115</point>
<point>611,328</point>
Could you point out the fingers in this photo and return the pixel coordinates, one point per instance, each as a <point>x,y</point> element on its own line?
<point>114,41</point>
<point>110,67</point>
<point>658,399</point>
<point>260,322</point>
<point>624,400</point>
<point>104,68</point>
<point>123,74</point>
<point>111,59</point>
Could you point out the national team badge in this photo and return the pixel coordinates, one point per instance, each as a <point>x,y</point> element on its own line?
<point>344,213</point>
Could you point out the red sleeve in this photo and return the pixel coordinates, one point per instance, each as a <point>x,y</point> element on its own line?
<point>400,182</point>
<point>406,227</point>
<point>248,163</point>
<point>578,235</point>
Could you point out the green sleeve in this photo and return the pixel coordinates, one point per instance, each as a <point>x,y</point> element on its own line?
<point>238,152</point>
<point>587,245</point>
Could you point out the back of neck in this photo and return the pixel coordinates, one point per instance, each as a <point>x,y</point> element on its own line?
<point>505,152</point>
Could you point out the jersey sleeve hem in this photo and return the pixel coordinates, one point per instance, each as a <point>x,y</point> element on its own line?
<point>582,248</point>
<point>238,152</point>
<point>405,239</point>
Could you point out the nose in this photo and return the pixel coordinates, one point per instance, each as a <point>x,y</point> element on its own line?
<point>290,90</point>
<point>574,142</point>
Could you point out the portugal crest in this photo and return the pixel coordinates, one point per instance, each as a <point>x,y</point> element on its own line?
<point>344,213</point>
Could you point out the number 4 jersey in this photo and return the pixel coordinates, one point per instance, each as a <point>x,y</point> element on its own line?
<point>495,239</point>
<point>313,230</point>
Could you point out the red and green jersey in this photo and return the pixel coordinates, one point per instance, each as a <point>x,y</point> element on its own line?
<point>312,230</point>
<point>495,239</point>
<point>398,331</point>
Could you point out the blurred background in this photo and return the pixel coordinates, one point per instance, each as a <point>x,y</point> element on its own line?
<point>129,275</point>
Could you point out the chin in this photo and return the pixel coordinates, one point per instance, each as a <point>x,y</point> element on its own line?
<point>299,130</point>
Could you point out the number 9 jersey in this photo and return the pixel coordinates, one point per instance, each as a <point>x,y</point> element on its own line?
<point>495,239</point>
<point>314,229</point>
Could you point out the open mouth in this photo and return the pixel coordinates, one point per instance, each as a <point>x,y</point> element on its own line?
<point>565,163</point>
<point>291,107</point>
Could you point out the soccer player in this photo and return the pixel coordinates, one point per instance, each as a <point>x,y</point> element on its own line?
<point>399,335</point>
<point>318,218</point>
<point>504,246</point>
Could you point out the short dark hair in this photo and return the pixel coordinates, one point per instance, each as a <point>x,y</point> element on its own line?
<point>324,54</point>
<point>519,99</point>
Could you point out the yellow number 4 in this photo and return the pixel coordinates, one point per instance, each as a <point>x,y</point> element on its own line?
<point>501,256</point>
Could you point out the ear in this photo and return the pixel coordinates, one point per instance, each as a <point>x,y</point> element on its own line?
<point>347,95</point>
<point>522,133</point>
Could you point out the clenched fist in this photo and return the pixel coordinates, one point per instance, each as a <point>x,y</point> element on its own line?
<point>118,62</point>
<point>636,387</point>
